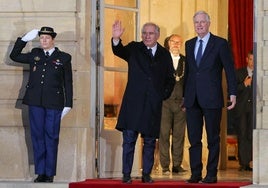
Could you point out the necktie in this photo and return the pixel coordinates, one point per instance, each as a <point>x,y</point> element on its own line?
<point>199,53</point>
<point>47,54</point>
<point>150,52</point>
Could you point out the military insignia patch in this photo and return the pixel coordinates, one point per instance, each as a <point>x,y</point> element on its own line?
<point>36,58</point>
<point>57,62</point>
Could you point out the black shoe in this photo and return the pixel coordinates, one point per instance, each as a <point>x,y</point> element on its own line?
<point>146,178</point>
<point>178,169</point>
<point>210,179</point>
<point>194,179</point>
<point>242,168</point>
<point>49,179</point>
<point>248,168</point>
<point>126,179</point>
<point>245,168</point>
<point>40,178</point>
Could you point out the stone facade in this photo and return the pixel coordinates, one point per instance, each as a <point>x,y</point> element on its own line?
<point>71,21</point>
<point>75,24</point>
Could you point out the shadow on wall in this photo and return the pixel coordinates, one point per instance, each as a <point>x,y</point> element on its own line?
<point>18,104</point>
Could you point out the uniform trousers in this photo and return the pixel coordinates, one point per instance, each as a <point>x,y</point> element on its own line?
<point>129,142</point>
<point>45,129</point>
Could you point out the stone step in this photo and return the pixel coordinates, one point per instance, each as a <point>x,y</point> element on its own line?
<point>23,184</point>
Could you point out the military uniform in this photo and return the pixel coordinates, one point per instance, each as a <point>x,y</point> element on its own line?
<point>48,91</point>
<point>50,81</point>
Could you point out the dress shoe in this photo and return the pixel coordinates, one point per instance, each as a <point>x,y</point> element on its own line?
<point>194,179</point>
<point>210,179</point>
<point>178,169</point>
<point>245,168</point>
<point>146,178</point>
<point>40,178</point>
<point>49,179</point>
<point>126,179</point>
<point>248,168</point>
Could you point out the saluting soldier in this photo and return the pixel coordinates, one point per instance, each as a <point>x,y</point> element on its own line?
<point>49,96</point>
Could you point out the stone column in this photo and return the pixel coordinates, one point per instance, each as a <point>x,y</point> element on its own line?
<point>260,134</point>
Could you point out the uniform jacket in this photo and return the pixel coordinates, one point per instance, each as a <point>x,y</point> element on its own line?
<point>244,94</point>
<point>205,81</point>
<point>150,81</point>
<point>50,79</point>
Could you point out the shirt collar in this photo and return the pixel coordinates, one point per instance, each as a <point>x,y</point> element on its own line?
<point>175,57</point>
<point>50,51</point>
<point>153,49</point>
<point>204,39</point>
<point>250,71</point>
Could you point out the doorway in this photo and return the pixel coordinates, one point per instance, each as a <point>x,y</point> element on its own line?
<point>113,78</point>
<point>112,71</point>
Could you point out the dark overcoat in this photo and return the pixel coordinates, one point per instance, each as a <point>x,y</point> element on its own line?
<point>150,81</point>
<point>50,83</point>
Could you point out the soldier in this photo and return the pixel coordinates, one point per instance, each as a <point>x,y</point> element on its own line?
<point>49,96</point>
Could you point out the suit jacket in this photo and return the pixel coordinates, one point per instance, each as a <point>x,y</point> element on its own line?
<point>205,81</point>
<point>50,83</point>
<point>244,98</point>
<point>150,81</point>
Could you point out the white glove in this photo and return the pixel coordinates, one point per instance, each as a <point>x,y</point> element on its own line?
<point>65,111</point>
<point>30,35</point>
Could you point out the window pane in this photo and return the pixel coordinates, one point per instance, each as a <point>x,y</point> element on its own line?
<point>128,22</point>
<point>114,87</point>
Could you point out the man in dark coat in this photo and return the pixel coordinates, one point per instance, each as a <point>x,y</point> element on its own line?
<point>49,96</point>
<point>244,113</point>
<point>206,57</point>
<point>150,81</point>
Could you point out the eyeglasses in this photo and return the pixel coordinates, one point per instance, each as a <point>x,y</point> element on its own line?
<point>175,42</point>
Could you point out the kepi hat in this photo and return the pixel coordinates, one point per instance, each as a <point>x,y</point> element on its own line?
<point>47,31</point>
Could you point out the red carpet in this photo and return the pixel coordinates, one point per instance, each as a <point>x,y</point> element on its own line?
<point>112,183</point>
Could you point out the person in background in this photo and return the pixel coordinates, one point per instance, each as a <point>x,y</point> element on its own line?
<point>49,96</point>
<point>173,119</point>
<point>244,113</point>
<point>206,57</point>
<point>150,81</point>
